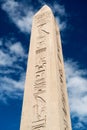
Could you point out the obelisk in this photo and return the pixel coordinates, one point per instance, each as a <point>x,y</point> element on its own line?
<point>45,104</point>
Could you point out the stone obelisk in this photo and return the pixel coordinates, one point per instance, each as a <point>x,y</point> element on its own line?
<point>45,104</point>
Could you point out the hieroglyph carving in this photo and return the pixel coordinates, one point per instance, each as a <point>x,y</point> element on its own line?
<point>39,87</point>
<point>60,73</point>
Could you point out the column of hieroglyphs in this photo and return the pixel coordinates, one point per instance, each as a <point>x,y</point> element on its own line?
<point>45,105</point>
<point>62,85</point>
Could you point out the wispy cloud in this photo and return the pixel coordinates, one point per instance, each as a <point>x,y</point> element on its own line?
<point>59,9</point>
<point>0,42</point>
<point>77,89</point>
<point>78,126</point>
<point>62,24</point>
<point>6,59</point>
<point>17,49</point>
<point>11,86</point>
<point>10,54</point>
<point>22,15</point>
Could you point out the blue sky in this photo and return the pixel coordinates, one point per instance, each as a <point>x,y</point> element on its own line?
<point>15,26</point>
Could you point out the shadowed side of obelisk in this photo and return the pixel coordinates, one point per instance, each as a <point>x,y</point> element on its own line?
<point>64,104</point>
<point>45,104</point>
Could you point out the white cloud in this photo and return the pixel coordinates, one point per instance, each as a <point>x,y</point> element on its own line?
<point>59,9</point>
<point>1,42</point>
<point>77,88</point>
<point>25,22</point>
<point>21,14</point>
<point>42,2</point>
<point>11,88</point>
<point>17,49</point>
<point>78,125</point>
<point>62,24</point>
<point>10,84</point>
<point>6,71</point>
<point>77,91</point>
<point>6,59</point>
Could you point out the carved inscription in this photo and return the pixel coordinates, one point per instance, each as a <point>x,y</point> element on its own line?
<point>60,74</point>
<point>42,19</point>
<point>58,48</point>
<point>39,87</point>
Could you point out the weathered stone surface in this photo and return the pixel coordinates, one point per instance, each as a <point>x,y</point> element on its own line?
<point>45,105</point>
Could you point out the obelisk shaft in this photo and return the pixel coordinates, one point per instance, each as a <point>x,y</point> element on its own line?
<point>45,105</point>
